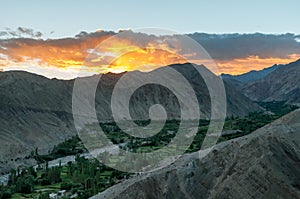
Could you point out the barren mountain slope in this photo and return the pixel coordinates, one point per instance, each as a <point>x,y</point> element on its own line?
<point>280,85</point>
<point>264,164</point>
<point>36,112</point>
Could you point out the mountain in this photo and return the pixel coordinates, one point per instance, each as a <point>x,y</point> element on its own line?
<point>36,112</point>
<point>263,164</point>
<point>280,85</point>
<point>251,76</point>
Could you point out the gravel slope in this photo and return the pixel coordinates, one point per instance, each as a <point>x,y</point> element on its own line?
<point>264,164</point>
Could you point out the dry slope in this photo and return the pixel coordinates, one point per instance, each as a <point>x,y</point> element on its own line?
<point>280,85</point>
<point>264,164</point>
<point>37,112</point>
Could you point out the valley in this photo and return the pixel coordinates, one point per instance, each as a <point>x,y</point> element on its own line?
<point>65,156</point>
<point>44,167</point>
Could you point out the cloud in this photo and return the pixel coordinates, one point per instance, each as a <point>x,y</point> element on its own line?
<point>3,33</point>
<point>73,52</point>
<point>243,65</point>
<point>52,52</point>
<point>30,32</point>
<point>20,32</point>
<point>236,46</point>
<point>234,53</point>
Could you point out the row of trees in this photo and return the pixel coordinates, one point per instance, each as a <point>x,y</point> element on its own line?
<point>23,181</point>
<point>88,177</point>
<point>85,177</point>
<point>71,146</point>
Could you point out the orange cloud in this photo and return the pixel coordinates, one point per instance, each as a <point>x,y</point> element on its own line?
<point>243,65</point>
<point>122,54</point>
<point>61,53</point>
<point>135,52</point>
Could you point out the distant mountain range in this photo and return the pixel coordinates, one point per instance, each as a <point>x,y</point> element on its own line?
<point>251,76</point>
<point>283,84</point>
<point>37,112</point>
<point>277,83</point>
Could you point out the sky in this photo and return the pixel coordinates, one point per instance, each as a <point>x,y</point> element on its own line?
<point>65,18</point>
<point>68,17</point>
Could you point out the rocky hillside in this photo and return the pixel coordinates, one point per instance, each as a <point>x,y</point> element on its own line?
<point>37,112</point>
<point>264,164</point>
<point>280,85</point>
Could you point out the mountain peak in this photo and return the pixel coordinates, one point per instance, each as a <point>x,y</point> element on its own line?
<point>280,85</point>
<point>251,76</point>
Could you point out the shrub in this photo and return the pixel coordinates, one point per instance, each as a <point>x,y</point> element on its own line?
<point>66,186</point>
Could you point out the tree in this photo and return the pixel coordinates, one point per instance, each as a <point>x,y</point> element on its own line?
<point>66,186</point>
<point>5,194</point>
<point>32,172</point>
<point>36,151</point>
<point>54,175</point>
<point>12,177</point>
<point>25,184</point>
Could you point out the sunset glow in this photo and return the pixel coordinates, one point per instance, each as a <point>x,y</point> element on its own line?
<point>116,56</point>
<point>243,65</point>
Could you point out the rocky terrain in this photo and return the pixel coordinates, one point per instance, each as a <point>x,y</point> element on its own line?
<point>281,85</point>
<point>264,164</point>
<point>36,112</point>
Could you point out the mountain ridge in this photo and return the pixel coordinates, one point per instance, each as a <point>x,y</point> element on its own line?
<point>280,85</point>
<point>252,75</point>
<point>36,112</point>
